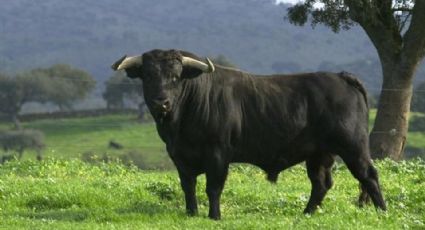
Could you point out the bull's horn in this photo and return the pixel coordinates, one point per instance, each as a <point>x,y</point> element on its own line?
<point>127,62</point>
<point>205,67</point>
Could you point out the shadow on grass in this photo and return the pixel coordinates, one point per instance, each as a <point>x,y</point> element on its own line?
<point>62,215</point>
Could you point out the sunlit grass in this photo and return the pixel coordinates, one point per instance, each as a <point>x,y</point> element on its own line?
<point>74,195</point>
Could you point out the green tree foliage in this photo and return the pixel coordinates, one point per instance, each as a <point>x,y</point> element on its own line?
<point>120,88</point>
<point>60,84</point>
<point>63,85</point>
<point>16,91</point>
<point>396,30</point>
<point>12,97</point>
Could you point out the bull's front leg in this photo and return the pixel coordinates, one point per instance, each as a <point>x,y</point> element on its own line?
<point>216,173</point>
<point>188,184</point>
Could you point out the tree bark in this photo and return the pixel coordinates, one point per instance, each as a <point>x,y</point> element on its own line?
<point>389,134</point>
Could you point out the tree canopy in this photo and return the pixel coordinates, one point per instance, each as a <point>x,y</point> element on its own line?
<point>62,84</point>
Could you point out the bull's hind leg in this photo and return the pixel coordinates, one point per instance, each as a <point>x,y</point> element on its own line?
<point>364,197</point>
<point>360,165</point>
<point>319,172</point>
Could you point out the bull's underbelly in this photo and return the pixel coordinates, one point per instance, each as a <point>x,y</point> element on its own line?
<point>272,151</point>
<point>272,158</point>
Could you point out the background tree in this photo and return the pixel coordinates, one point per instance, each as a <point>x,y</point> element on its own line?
<point>16,91</point>
<point>120,88</point>
<point>11,98</point>
<point>63,85</point>
<point>396,29</point>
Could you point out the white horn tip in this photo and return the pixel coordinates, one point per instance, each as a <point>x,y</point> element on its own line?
<point>210,65</point>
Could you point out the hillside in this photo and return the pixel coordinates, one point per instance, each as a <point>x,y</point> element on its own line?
<point>73,195</point>
<point>251,33</point>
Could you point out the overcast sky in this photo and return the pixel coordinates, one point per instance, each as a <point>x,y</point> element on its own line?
<point>318,5</point>
<point>288,1</point>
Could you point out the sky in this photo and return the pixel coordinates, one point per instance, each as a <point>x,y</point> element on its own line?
<point>288,1</point>
<point>318,5</point>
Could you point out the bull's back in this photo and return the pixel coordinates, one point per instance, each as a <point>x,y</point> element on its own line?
<point>295,115</point>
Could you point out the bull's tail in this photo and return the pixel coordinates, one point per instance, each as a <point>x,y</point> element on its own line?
<point>356,83</point>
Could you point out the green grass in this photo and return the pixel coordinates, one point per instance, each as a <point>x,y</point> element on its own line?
<point>58,194</point>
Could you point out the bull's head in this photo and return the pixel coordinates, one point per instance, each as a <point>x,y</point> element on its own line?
<point>162,73</point>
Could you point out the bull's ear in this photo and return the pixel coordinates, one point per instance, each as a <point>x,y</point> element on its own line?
<point>134,72</point>
<point>131,65</point>
<point>190,72</point>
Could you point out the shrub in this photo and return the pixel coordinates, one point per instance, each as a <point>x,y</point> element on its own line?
<point>19,140</point>
<point>164,191</point>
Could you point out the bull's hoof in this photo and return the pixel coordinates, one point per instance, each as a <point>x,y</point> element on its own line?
<point>192,212</point>
<point>309,210</point>
<point>214,217</point>
<point>272,177</point>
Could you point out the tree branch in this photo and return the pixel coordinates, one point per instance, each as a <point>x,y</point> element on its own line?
<point>414,38</point>
<point>402,23</point>
<point>380,27</point>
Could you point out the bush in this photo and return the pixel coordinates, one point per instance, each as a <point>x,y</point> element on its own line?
<point>19,140</point>
<point>165,191</point>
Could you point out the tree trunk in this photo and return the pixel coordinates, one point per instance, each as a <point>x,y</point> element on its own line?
<point>389,133</point>
<point>16,122</point>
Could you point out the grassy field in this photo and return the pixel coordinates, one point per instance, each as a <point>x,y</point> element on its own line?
<point>59,194</point>
<point>62,192</point>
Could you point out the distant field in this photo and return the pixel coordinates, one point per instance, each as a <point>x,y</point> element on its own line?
<point>72,138</point>
<point>73,195</point>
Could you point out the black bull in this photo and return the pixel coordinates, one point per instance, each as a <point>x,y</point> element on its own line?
<point>209,116</point>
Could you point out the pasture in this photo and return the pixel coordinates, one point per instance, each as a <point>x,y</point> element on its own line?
<point>58,194</point>
<point>63,192</point>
